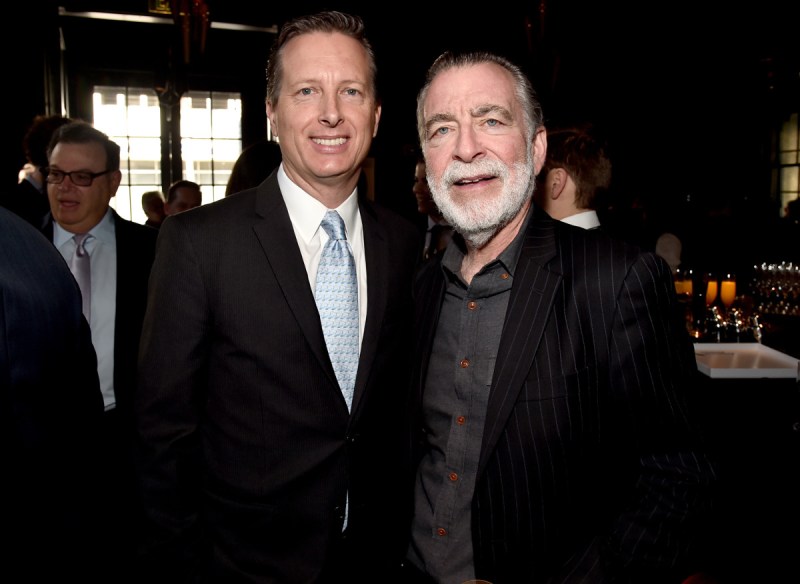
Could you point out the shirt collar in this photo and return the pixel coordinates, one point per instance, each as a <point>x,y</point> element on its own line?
<point>306,212</point>
<point>103,231</point>
<point>585,219</point>
<point>454,254</point>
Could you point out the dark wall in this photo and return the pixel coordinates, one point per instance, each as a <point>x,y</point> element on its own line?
<point>689,97</point>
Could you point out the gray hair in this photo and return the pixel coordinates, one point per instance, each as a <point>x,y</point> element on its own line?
<point>532,109</point>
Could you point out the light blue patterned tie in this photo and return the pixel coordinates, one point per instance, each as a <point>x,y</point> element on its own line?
<point>337,302</point>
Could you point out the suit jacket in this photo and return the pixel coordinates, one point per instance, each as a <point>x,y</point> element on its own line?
<point>50,409</point>
<point>248,449</point>
<point>589,468</point>
<point>136,246</point>
<point>122,515</point>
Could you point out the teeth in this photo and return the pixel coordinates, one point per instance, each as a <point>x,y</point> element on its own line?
<point>333,142</point>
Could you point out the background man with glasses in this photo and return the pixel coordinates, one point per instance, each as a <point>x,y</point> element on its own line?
<point>82,176</point>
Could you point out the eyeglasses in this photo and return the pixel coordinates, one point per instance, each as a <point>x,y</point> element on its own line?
<point>80,178</point>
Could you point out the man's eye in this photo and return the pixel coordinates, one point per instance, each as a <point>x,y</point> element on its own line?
<point>492,122</point>
<point>442,131</point>
<point>352,92</point>
<point>82,176</point>
<point>306,91</point>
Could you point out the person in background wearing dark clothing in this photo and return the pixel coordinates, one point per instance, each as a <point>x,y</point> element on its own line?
<point>576,172</point>
<point>82,175</point>
<point>50,413</point>
<point>437,232</point>
<point>254,165</point>
<point>153,207</point>
<point>261,432</point>
<point>550,431</point>
<point>181,196</point>
<point>29,199</point>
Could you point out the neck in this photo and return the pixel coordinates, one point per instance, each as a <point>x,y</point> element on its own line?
<point>476,258</point>
<point>330,192</point>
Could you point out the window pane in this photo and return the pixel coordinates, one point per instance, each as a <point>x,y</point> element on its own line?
<point>131,117</point>
<point>211,131</point>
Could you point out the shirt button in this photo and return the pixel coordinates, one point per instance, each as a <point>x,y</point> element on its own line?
<point>464,363</point>
<point>461,420</point>
<point>453,476</point>
<point>472,305</point>
<point>441,531</point>
<point>504,276</point>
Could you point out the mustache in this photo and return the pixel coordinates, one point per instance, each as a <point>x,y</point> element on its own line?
<point>457,171</point>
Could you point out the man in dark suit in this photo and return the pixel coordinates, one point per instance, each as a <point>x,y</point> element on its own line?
<point>437,232</point>
<point>551,439</point>
<point>575,176</point>
<point>50,413</point>
<point>261,461</point>
<point>82,176</point>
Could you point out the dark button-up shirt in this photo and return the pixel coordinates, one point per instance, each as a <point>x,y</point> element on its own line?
<point>454,409</point>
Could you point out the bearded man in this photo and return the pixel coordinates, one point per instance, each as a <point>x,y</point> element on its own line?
<point>551,441</point>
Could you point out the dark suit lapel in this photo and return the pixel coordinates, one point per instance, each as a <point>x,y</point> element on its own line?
<point>378,262</point>
<point>273,228</point>
<point>532,294</point>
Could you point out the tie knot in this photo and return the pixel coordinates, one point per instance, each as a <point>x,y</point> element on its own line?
<point>80,242</point>
<point>333,224</point>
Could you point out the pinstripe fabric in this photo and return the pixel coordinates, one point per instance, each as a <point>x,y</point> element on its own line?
<point>589,470</point>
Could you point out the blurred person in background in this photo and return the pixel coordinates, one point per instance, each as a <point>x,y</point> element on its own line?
<point>181,196</point>
<point>153,207</point>
<point>29,199</point>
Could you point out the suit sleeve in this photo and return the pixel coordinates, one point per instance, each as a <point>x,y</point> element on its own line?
<point>652,365</point>
<point>168,399</point>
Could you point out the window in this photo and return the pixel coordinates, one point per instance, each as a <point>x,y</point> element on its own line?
<point>211,141</point>
<point>788,169</point>
<point>132,118</point>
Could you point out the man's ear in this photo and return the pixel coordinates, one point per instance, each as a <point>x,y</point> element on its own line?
<point>539,150</point>
<point>556,180</point>
<point>273,119</point>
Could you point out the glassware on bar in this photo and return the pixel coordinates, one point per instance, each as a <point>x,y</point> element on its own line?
<point>727,290</point>
<point>711,288</point>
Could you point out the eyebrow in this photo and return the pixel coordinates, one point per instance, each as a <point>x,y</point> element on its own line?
<point>478,112</point>
<point>438,119</point>
<point>489,108</point>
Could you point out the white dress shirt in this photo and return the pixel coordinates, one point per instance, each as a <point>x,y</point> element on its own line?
<point>102,250</point>
<point>306,214</point>
<point>584,219</point>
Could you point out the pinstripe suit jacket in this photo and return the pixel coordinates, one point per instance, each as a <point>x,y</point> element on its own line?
<point>589,469</point>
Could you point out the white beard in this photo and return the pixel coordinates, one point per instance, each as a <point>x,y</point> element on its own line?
<point>479,219</point>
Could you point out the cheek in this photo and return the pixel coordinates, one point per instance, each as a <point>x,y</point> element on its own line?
<point>436,165</point>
